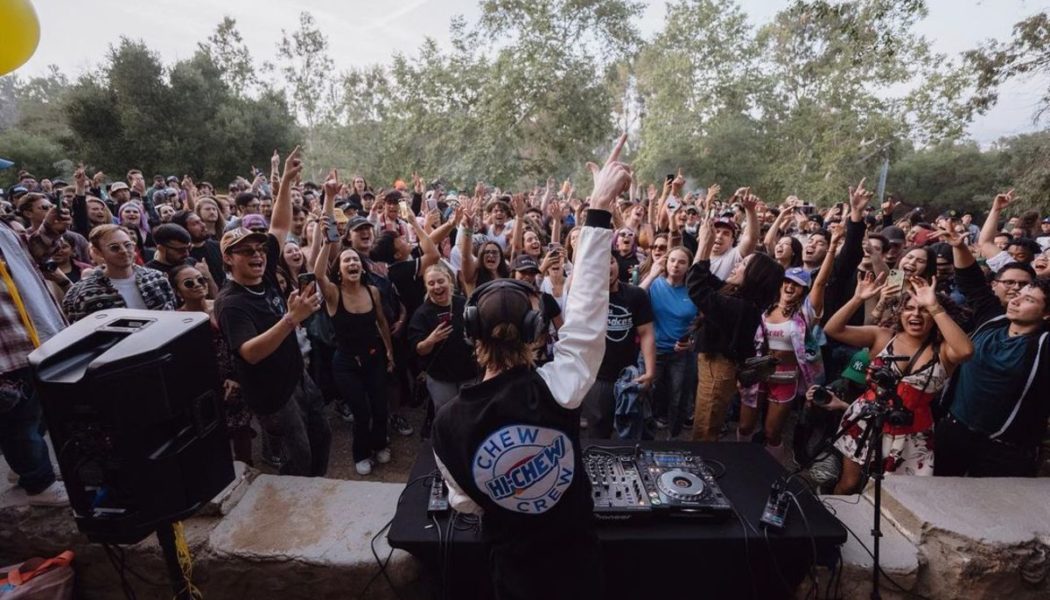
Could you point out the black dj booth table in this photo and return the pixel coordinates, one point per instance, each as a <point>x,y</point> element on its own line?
<point>679,557</point>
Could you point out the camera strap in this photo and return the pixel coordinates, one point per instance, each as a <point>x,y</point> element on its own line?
<point>915,358</point>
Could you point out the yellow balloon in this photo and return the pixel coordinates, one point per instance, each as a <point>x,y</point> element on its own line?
<point>21,34</point>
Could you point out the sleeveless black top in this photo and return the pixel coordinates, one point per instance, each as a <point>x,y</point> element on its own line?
<point>356,334</point>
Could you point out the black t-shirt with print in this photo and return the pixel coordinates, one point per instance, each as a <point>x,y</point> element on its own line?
<point>629,307</point>
<point>212,256</point>
<point>246,312</point>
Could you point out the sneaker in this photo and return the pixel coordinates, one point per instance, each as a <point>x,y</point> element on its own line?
<point>660,423</point>
<point>363,467</point>
<point>343,410</point>
<point>826,470</point>
<point>401,425</point>
<point>272,460</point>
<point>383,456</point>
<point>54,495</point>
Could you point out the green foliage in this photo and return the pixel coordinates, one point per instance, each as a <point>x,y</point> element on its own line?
<point>182,120</point>
<point>1027,54</point>
<point>806,103</point>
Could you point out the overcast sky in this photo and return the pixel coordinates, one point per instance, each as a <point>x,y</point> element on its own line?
<point>76,35</point>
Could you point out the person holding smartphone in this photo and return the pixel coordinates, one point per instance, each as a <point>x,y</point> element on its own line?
<point>435,334</point>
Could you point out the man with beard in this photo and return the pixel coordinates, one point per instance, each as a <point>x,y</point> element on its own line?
<point>202,248</point>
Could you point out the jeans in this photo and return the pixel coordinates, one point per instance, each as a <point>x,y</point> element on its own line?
<point>599,408</point>
<point>960,451</point>
<point>362,384</point>
<point>715,388</point>
<point>20,439</point>
<point>674,386</point>
<point>301,431</point>
<point>442,392</point>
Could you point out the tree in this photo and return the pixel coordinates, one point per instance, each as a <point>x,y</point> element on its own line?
<point>695,72</point>
<point>185,119</point>
<point>230,54</point>
<point>1026,55</point>
<point>309,72</point>
<point>830,114</point>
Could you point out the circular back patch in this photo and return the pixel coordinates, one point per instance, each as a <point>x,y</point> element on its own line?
<point>525,468</point>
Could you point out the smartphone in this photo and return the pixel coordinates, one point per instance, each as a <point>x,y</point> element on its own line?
<point>331,231</point>
<point>553,247</point>
<point>807,209</point>
<point>670,177</point>
<point>896,277</point>
<point>445,318</point>
<point>306,279</point>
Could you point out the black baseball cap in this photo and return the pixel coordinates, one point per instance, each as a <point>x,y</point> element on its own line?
<point>525,263</point>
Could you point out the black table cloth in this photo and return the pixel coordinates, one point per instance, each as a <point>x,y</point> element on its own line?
<point>656,556</point>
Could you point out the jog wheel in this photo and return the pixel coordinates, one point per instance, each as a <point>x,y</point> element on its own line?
<point>681,484</point>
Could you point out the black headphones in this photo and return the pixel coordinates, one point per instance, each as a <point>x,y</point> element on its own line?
<point>532,323</point>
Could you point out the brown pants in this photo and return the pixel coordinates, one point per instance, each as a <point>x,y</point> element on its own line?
<point>716,376</point>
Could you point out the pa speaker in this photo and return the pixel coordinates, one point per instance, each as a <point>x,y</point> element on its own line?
<point>132,401</point>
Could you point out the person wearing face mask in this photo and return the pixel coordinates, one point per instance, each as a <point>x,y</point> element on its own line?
<point>923,330</point>
<point>120,283</point>
<point>436,334</point>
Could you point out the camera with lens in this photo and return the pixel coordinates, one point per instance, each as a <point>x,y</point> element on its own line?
<point>821,396</point>
<point>884,380</point>
<point>49,266</point>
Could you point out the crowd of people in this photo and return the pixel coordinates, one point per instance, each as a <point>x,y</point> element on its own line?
<point>722,309</point>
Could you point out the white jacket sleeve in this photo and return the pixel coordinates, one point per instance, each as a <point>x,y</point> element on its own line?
<point>457,498</point>
<point>581,344</point>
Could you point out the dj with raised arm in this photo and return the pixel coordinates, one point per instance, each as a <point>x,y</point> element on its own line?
<point>509,446</point>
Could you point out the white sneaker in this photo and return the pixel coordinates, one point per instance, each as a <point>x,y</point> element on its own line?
<point>54,495</point>
<point>363,467</point>
<point>383,456</point>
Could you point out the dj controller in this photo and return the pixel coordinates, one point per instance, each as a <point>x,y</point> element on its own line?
<point>634,483</point>
<point>644,483</point>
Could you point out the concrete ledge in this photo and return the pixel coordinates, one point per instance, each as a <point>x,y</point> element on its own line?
<point>288,537</point>
<point>314,536</point>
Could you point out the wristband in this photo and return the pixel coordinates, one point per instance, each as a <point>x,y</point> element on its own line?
<point>936,310</point>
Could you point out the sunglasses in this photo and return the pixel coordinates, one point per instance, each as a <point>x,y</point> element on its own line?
<point>118,247</point>
<point>1014,283</point>
<point>491,253</point>
<point>660,247</point>
<point>193,282</point>
<point>249,251</point>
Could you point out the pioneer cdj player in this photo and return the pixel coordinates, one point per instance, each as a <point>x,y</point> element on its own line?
<point>629,485</point>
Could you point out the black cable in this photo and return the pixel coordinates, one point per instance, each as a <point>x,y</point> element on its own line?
<point>383,565</point>
<point>123,560</point>
<point>812,540</point>
<point>747,552</point>
<point>872,555</point>
<point>776,564</point>
<point>119,566</point>
<point>441,546</point>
